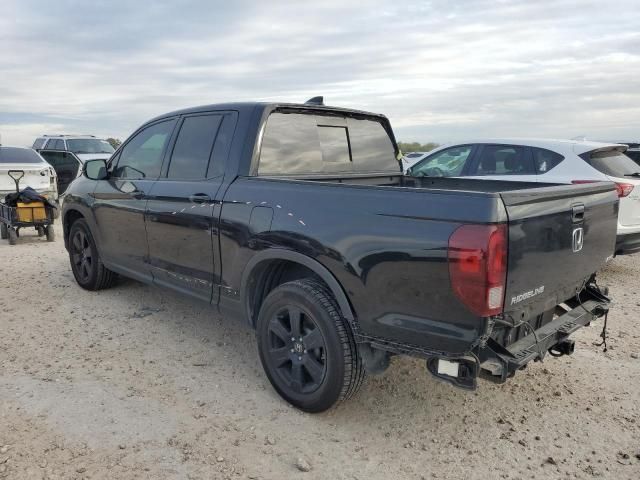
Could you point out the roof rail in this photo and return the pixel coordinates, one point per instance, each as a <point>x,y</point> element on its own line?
<point>69,135</point>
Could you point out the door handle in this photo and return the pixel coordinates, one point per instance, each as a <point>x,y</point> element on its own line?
<point>138,195</point>
<point>199,198</point>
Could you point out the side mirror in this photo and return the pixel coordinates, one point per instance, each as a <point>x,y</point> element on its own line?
<point>95,169</point>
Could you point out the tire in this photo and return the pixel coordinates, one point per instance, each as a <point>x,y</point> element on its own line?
<point>50,233</point>
<point>13,236</point>
<point>322,369</point>
<point>4,232</point>
<point>40,231</point>
<point>87,268</point>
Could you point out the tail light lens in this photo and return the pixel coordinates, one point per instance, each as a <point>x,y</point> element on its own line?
<point>478,267</point>
<point>624,189</point>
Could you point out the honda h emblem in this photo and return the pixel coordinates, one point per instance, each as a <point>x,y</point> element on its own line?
<point>578,239</point>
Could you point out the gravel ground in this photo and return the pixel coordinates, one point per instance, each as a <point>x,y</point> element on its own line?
<point>138,382</point>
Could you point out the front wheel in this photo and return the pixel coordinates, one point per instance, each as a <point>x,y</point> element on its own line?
<point>86,265</point>
<point>306,348</point>
<point>50,233</point>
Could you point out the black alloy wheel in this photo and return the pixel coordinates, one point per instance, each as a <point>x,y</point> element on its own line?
<point>306,347</point>
<point>297,349</point>
<point>82,256</point>
<point>86,265</point>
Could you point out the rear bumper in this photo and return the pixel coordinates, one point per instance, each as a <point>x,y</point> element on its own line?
<point>498,363</point>
<point>628,243</point>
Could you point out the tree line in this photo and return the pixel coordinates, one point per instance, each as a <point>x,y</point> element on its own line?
<point>406,147</point>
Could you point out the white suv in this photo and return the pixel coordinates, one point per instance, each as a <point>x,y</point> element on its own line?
<point>85,147</point>
<point>548,161</point>
<point>67,153</point>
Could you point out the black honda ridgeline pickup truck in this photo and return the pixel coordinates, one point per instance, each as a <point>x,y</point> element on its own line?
<point>296,219</point>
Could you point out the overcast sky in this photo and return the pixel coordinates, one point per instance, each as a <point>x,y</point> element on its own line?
<point>440,70</point>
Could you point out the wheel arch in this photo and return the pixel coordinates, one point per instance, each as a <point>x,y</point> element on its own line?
<point>70,216</point>
<point>256,283</point>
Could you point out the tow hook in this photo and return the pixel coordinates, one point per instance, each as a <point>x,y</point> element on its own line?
<point>565,347</point>
<point>461,372</point>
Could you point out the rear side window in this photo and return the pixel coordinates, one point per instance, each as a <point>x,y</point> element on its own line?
<point>38,143</point>
<point>544,160</point>
<point>296,143</point>
<point>504,160</point>
<point>55,144</point>
<point>611,162</point>
<point>193,147</point>
<point>18,155</point>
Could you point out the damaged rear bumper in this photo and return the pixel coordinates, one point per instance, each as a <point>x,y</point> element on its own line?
<point>495,362</point>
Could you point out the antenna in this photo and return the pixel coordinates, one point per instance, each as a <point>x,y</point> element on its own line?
<point>315,101</point>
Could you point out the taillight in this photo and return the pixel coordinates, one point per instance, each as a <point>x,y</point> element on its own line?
<point>478,267</point>
<point>624,189</point>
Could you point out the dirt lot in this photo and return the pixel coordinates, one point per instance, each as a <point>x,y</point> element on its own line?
<point>137,382</point>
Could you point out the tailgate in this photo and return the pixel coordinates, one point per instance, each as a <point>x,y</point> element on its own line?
<point>558,237</point>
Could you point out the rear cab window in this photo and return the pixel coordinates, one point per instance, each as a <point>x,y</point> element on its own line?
<point>312,143</point>
<point>613,163</point>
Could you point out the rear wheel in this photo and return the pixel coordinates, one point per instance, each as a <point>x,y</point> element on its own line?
<point>50,233</point>
<point>4,233</point>
<point>306,348</point>
<point>13,236</point>
<point>86,265</point>
<point>40,231</point>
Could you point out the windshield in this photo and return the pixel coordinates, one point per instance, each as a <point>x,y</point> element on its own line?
<point>18,155</point>
<point>445,163</point>
<point>613,163</point>
<point>89,145</point>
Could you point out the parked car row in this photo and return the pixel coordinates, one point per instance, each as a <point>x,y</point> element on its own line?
<point>299,220</point>
<point>65,153</point>
<point>546,161</point>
